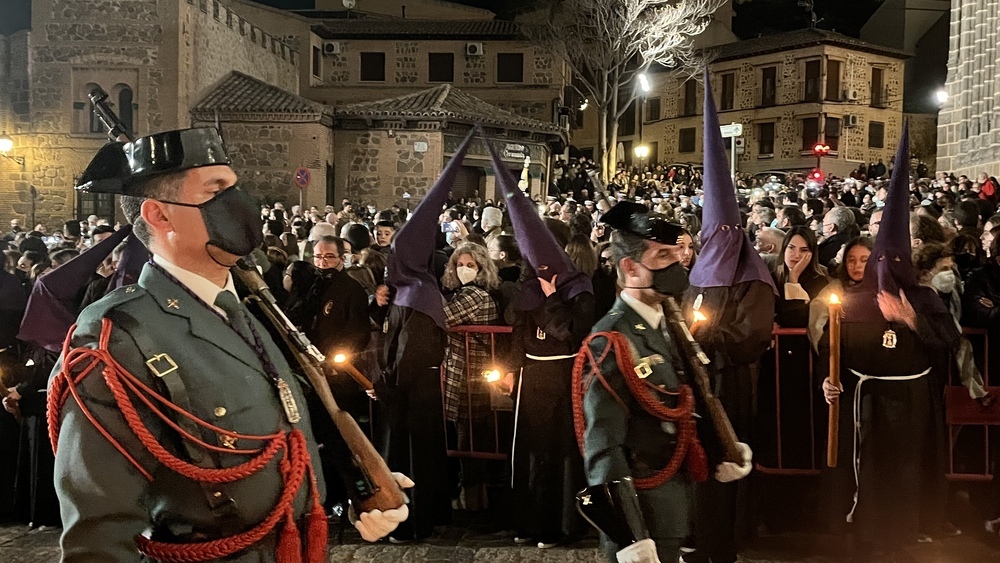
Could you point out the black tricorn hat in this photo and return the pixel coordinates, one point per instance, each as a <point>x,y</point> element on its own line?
<point>119,167</point>
<point>635,218</point>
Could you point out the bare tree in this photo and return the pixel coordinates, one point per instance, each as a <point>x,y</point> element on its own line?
<point>608,43</point>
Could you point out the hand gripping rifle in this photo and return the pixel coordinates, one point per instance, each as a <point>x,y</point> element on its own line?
<point>695,364</point>
<point>369,482</point>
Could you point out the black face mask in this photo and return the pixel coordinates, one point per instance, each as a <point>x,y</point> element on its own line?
<point>672,280</point>
<point>966,262</point>
<point>233,221</point>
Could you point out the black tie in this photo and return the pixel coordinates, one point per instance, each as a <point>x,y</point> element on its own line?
<point>228,302</point>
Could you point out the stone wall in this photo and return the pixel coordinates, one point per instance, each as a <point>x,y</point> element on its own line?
<point>374,167</point>
<point>968,133</point>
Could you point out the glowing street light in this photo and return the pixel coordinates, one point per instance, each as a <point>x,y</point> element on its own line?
<point>583,106</point>
<point>941,96</point>
<point>643,83</point>
<point>641,151</point>
<point>6,143</point>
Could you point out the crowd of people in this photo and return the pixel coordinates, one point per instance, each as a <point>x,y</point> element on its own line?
<point>330,268</point>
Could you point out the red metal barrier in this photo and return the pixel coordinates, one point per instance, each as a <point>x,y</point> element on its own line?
<point>474,377</point>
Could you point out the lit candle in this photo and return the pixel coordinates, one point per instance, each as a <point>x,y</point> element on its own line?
<point>833,429</point>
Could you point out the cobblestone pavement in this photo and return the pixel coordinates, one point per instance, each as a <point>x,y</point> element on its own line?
<point>18,544</point>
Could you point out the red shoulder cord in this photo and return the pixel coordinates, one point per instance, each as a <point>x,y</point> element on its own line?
<point>688,450</point>
<point>294,463</point>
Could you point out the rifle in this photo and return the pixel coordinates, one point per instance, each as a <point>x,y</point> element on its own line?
<point>370,483</point>
<point>695,362</point>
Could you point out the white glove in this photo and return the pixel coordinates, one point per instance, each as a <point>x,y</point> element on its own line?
<point>643,551</point>
<point>377,524</point>
<point>728,471</point>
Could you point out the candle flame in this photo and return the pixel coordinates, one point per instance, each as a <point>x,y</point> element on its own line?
<point>699,317</point>
<point>834,299</point>
<point>493,375</point>
<point>339,358</point>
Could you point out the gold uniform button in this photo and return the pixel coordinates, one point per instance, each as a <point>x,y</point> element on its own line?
<point>220,411</point>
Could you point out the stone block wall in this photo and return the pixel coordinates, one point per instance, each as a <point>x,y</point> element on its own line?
<point>374,167</point>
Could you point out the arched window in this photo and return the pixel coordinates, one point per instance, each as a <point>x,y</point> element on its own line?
<point>125,107</point>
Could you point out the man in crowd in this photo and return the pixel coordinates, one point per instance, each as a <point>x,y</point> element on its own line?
<point>838,224</point>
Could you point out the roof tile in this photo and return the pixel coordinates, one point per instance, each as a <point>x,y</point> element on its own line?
<point>240,93</point>
<point>423,29</point>
<point>801,38</point>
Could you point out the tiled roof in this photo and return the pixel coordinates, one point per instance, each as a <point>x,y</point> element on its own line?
<point>446,104</point>
<point>418,29</point>
<point>801,38</point>
<point>243,94</point>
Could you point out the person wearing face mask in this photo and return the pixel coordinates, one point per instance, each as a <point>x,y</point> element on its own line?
<point>183,334</point>
<point>471,275</point>
<point>625,381</point>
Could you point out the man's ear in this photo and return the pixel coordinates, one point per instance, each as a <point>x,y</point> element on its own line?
<point>154,214</point>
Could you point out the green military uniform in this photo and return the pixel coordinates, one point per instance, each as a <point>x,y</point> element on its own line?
<point>636,444</point>
<point>221,380</point>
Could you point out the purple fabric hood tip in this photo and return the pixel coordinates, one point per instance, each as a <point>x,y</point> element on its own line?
<point>727,256</point>
<point>537,245</point>
<point>411,269</point>
<point>130,266</point>
<point>48,316</point>
<point>890,266</point>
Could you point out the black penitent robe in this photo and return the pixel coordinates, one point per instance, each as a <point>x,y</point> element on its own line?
<point>547,465</point>
<point>413,440</point>
<point>897,424</point>
<point>738,332</point>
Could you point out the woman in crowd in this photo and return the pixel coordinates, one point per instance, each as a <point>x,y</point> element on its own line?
<point>799,279</point>
<point>470,274</point>
<point>582,253</point>
<point>688,252</point>
<point>849,272</point>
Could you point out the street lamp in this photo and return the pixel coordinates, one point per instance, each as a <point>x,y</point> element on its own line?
<point>641,152</point>
<point>6,145</point>
<point>941,96</point>
<point>644,87</point>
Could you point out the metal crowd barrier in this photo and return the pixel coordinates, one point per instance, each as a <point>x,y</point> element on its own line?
<point>963,415</point>
<point>476,378</point>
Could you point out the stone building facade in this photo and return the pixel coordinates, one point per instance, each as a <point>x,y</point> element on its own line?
<point>968,132</point>
<point>155,58</point>
<point>789,91</point>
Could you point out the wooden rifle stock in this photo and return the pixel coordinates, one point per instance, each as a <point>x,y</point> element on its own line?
<point>375,487</point>
<point>695,362</point>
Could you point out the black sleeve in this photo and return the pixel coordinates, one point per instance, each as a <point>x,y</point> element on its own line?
<point>568,321</point>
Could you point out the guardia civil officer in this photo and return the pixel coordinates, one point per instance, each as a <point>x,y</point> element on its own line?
<point>180,431</point>
<point>637,405</point>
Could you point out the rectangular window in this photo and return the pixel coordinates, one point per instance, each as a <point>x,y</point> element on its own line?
<point>768,86</point>
<point>810,132</point>
<point>510,67</point>
<point>373,67</point>
<point>814,76</point>
<point>653,109</point>
<point>878,88</point>
<point>834,90</point>
<point>626,125</point>
<point>876,135</point>
<point>765,139</point>
<point>690,97</point>
<point>317,61</point>
<point>685,140</point>
<point>440,67</point>
<point>832,133</point>
<point>728,92</point>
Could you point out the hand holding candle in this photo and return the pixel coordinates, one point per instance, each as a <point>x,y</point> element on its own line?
<point>341,362</point>
<point>833,429</point>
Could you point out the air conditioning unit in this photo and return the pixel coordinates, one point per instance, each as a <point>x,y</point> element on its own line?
<point>474,49</point>
<point>331,48</point>
<point>850,121</point>
<point>852,95</point>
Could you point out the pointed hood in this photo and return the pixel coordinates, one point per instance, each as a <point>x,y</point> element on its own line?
<point>727,256</point>
<point>537,245</point>
<point>890,266</point>
<point>411,269</point>
<point>51,309</point>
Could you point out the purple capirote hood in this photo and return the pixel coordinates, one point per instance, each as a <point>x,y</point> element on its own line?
<point>411,269</point>
<point>727,256</point>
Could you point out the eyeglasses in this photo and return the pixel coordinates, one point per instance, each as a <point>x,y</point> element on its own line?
<point>326,257</point>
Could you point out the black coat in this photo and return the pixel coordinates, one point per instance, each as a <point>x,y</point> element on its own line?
<point>340,306</point>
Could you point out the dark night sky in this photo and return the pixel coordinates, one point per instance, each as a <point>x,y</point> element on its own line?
<point>753,18</point>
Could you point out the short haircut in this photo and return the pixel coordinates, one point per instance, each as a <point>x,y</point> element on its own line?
<point>165,187</point>
<point>926,229</point>
<point>626,245</point>
<point>842,218</point>
<point>794,215</point>
<point>330,239</point>
<point>966,213</point>
<point>386,224</point>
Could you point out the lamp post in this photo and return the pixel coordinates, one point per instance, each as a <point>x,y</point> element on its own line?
<point>644,88</point>
<point>6,145</point>
<point>641,152</point>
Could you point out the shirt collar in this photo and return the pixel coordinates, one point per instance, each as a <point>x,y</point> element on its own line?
<point>652,315</point>
<point>200,286</point>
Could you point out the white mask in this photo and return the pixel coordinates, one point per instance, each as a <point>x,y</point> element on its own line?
<point>466,274</point>
<point>944,281</point>
<point>348,258</point>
